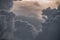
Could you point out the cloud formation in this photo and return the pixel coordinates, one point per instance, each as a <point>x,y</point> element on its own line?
<point>33,8</point>
<point>28,9</point>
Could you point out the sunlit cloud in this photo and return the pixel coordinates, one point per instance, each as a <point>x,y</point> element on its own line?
<point>47,3</point>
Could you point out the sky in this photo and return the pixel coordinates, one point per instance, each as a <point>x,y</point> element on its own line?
<point>47,3</point>
<point>32,8</point>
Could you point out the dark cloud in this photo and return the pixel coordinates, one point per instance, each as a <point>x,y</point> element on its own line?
<point>5,4</point>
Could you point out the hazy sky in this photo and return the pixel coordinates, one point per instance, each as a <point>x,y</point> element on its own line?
<point>47,3</point>
<point>33,7</point>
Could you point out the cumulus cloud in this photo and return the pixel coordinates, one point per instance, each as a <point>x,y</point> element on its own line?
<point>28,9</point>
<point>31,10</point>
